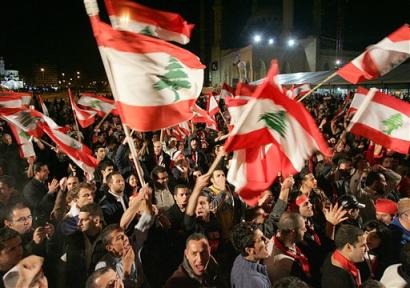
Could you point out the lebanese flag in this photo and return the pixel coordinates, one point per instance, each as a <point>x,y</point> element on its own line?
<point>227,91</point>
<point>99,104</point>
<point>43,105</point>
<point>8,100</point>
<point>236,107</point>
<point>202,116</point>
<point>24,119</point>
<point>25,97</point>
<point>297,91</point>
<point>76,151</point>
<point>383,119</point>
<point>130,16</point>
<point>23,140</point>
<point>149,77</point>
<point>380,58</point>
<point>84,117</point>
<point>181,131</point>
<point>213,106</point>
<point>358,99</point>
<point>274,134</point>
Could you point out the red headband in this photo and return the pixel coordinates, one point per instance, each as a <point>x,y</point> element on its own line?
<point>301,199</point>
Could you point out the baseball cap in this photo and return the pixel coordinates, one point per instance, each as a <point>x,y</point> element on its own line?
<point>350,202</point>
<point>403,205</point>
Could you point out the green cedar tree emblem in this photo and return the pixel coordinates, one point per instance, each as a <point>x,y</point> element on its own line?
<point>27,120</point>
<point>74,144</point>
<point>393,123</point>
<point>275,121</point>
<point>95,104</point>
<point>24,135</point>
<point>174,79</point>
<point>147,31</point>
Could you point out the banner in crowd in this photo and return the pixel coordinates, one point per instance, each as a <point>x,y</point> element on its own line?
<point>84,117</point>
<point>99,104</point>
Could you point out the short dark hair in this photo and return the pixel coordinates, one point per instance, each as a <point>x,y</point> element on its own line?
<point>6,234</point>
<point>97,273</point>
<point>290,282</point>
<point>179,186</point>
<point>288,222</point>
<point>8,211</point>
<point>93,209</point>
<point>106,234</point>
<point>104,164</point>
<point>372,177</point>
<point>73,193</point>
<point>98,147</point>
<point>111,175</point>
<point>195,237</point>
<point>243,236</point>
<point>347,234</point>
<point>157,169</point>
<point>37,166</point>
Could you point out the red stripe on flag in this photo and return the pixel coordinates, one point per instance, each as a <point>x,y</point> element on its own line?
<point>166,115</point>
<point>248,140</point>
<point>401,34</point>
<point>392,102</point>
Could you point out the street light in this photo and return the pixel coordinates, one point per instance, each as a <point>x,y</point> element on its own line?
<point>257,38</point>
<point>291,42</point>
<point>338,62</point>
<point>271,41</point>
<point>42,71</point>
<point>78,73</point>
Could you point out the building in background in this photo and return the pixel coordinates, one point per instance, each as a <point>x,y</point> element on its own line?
<point>9,79</point>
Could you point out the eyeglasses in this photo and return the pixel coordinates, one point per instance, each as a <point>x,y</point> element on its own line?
<point>22,220</point>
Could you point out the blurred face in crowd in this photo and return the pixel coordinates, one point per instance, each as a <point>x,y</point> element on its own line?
<point>7,139</point>
<point>218,179</point>
<point>198,254</point>
<point>117,184</point>
<point>87,222</point>
<point>202,208</point>
<point>100,154</point>
<point>133,181</point>
<point>181,146</point>
<point>20,220</point>
<point>11,254</point>
<point>344,168</point>
<point>42,175</point>
<point>356,252</point>
<point>119,244</point>
<point>181,197</point>
<point>107,171</point>
<point>194,145</point>
<point>71,182</point>
<point>162,179</point>
<point>260,216</point>
<point>259,250</point>
<point>372,239</point>
<point>109,279</point>
<point>384,217</point>
<point>5,192</point>
<point>387,163</point>
<point>300,231</point>
<point>85,196</point>
<point>310,182</point>
<point>157,148</point>
<point>306,209</point>
<point>381,184</point>
<point>353,214</point>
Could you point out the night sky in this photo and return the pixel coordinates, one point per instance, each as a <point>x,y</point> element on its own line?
<point>59,32</point>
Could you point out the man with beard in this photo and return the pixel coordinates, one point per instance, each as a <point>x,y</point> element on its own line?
<point>247,271</point>
<point>162,195</point>
<point>114,203</point>
<point>198,269</point>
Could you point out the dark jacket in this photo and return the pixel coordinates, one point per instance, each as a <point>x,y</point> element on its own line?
<point>36,195</point>
<point>336,277</point>
<point>112,209</point>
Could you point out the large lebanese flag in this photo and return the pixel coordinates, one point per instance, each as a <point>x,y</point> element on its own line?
<point>130,16</point>
<point>358,99</point>
<point>23,118</point>
<point>84,117</point>
<point>380,58</point>
<point>94,102</point>
<point>275,134</point>
<point>383,119</point>
<point>154,83</point>
<point>23,140</point>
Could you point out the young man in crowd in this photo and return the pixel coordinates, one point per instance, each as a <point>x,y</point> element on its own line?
<point>114,203</point>
<point>11,250</point>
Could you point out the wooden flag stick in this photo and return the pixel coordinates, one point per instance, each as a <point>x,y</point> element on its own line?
<point>134,154</point>
<point>47,144</point>
<point>101,121</point>
<point>223,117</point>
<point>161,137</point>
<point>318,85</point>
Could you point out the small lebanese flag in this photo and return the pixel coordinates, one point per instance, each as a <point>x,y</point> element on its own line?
<point>24,119</point>
<point>358,99</point>
<point>181,131</point>
<point>202,116</point>
<point>8,100</point>
<point>379,59</point>
<point>23,140</point>
<point>84,117</point>
<point>130,16</point>
<point>43,105</point>
<point>297,91</point>
<point>213,106</point>
<point>148,77</point>
<point>101,105</point>
<point>383,119</point>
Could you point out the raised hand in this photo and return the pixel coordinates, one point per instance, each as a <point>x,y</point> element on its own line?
<point>334,214</point>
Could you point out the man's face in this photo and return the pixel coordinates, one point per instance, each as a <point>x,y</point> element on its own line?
<point>384,217</point>
<point>218,179</point>
<point>5,192</point>
<point>353,214</point>
<point>358,250</point>
<point>259,250</point>
<point>306,209</point>
<point>21,220</point>
<point>162,178</point>
<point>107,171</point>
<point>157,148</point>
<point>372,239</point>
<point>87,222</point>
<point>381,184</point>
<point>42,175</point>
<point>198,254</point>
<point>100,154</point>
<point>12,253</point>
<point>119,243</point>
<point>7,139</point>
<point>300,232</point>
<point>181,197</point>
<point>387,163</point>
<point>71,182</point>
<point>110,279</point>
<point>194,145</point>
<point>345,168</point>
<point>202,207</point>
<point>85,196</point>
<point>117,184</point>
<point>310,181</point>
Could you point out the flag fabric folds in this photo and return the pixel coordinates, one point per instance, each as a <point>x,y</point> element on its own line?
<point>380,58</point>
<point>43,105</point>
<point>84,117</point>
<point>99,104</point>
<point>26,148</point>
<point>130,16</point>
<point>148,77</point>
<point>213,106</point>
<point>383,119</point>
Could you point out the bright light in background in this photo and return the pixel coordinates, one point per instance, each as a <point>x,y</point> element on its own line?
<point>291,42</point>
<point>271,41</point>
<point>78,73</point>
<point>42,69</point>
<point>338,62</point>
<point>257,38</point>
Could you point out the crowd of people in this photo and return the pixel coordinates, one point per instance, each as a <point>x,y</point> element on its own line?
<point>341,222</point>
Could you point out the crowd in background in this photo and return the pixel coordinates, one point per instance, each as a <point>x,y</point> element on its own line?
<point>341,222</point>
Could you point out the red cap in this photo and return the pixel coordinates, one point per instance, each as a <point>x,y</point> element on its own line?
<point>386,206</point>
<point>301,199</point>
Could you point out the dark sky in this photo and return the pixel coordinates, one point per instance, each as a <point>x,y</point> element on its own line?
<point>58,31</point>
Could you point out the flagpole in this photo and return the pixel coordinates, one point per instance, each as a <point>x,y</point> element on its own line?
<point>101,121</point>
<point>161,137</point>
<point>223,117</point>
<point>318,85</point>
<point>77,128</point>
<point>134,154</point>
